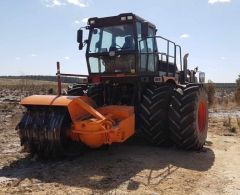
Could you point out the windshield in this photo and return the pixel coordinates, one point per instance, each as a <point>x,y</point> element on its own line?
<point>105,39</point>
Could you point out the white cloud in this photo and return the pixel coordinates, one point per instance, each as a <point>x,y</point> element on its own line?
<point>84,20</point>
<point>79,3</point>
<point>33,55</point>
<point>184,36</point>
<point>18,58</point>
<point>223,58</point>
<point>218,1</point>
<point>66,58</point>
<point>53,3</point>
<point>58,3</point>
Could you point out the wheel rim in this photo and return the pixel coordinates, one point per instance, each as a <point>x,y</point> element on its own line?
<point>202,116</point>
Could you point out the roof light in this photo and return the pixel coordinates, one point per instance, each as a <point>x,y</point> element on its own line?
<point>130,17</point>
<point>92,21</point>
<point>123,18</point>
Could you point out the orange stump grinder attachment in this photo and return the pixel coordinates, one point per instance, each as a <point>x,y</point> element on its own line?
<point>51,120</point>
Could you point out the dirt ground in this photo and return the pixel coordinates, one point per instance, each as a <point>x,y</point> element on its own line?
<point>130,168</point>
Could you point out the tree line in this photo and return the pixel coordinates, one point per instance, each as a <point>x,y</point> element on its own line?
<point>44,78</point>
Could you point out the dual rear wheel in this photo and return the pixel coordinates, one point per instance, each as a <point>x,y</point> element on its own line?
<point>178,116</point>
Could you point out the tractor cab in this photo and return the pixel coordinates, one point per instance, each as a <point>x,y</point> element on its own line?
<point>127,44</point>
<point>121,44</point>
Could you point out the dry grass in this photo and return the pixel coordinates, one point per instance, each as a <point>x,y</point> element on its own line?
<point>210,89</point>
<point>238,122</point>
<point>225,99</point>
<point>231,124</point>
<point>32,86</point>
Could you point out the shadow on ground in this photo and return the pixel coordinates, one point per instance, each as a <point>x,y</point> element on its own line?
<point>107,169</point>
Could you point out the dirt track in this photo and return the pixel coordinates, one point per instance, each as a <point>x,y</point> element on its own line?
<point>133,167</point>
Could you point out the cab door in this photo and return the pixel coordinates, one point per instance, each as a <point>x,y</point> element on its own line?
<point>148,52</point>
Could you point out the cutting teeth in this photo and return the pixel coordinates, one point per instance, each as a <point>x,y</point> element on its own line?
<point>43,131</point>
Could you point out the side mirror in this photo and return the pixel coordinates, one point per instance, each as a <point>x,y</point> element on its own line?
<point>80,38</point>
<point>144,29</point>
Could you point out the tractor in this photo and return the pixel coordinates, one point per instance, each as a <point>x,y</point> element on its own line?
<point>137,84</point>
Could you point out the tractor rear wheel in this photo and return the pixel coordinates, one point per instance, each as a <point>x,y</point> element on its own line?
<point>153,117</point>
<point>188,117</point>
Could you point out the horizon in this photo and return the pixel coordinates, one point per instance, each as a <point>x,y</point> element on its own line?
<point>36,34</point>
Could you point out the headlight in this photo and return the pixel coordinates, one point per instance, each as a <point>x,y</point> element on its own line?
<point>123,18</point>
<point>130,17</point>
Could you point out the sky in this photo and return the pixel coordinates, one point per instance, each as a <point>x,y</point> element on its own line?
<point>34,34</point>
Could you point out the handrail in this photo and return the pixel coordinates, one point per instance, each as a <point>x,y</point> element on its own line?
<point>167,54</point>
<point>59,81</point>
<point>73,75</point>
